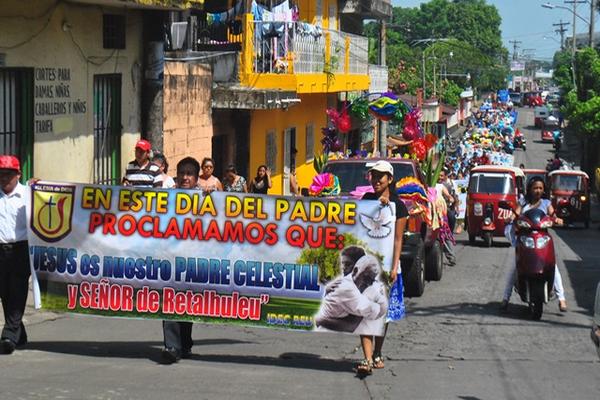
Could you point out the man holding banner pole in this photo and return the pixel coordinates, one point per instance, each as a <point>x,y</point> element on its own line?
<point>14,253</point>
<point>177,334</point>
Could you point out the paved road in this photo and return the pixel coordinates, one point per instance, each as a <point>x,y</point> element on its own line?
<point>453,345</point>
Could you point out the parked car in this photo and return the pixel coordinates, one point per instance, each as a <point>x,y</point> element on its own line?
<point>422,256</point>
<point>596,321</point>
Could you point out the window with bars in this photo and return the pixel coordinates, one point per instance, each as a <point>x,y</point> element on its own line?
<point>113,31</point>
<point>271,147</point>
<point>310,142</point>
<point>16,116</point>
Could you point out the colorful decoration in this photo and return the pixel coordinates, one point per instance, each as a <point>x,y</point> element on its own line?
<point>325,184</point>
<point>419,149</point>
<point>410,188</point>
<point>340,120</point>
<point>412,128</point>
<point>359,108</point>
<point>430,140</point>
<point>384,107</point>
<point>331,143</point>
<point>360,191</point>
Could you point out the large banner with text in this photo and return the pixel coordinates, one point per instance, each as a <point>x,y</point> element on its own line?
<point>299,263</point>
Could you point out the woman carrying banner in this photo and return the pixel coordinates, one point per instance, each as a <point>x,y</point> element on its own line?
<point>382,177</point>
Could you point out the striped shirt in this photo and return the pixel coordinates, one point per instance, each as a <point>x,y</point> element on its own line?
<point>147,176</point>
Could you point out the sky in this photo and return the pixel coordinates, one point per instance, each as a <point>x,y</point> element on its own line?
<point>529,22</point>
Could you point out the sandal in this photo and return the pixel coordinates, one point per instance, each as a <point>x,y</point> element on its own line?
<point>378,362</point>
<point>365,367</point>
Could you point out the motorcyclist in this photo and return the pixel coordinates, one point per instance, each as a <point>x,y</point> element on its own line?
<point>534,199</point>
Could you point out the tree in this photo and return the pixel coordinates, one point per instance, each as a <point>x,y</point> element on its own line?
<point>473,28</point>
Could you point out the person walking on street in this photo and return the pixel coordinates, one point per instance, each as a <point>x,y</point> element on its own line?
<point>141,172</point>
<point>382,181</point>
<point>178,334</point>
<point>14,254</point>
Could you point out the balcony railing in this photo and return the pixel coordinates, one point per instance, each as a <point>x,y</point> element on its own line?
<point>301,48</point>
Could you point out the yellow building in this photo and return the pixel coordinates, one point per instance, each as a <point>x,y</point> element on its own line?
<point>276,76</point>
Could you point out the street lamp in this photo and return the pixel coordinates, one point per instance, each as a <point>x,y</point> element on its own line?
<point>575,16</point>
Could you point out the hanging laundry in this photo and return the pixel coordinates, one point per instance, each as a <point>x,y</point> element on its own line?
<point>282,12</point>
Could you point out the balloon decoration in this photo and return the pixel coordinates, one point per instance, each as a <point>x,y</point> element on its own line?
<point>412,128</point>
<point>410,188</point>
<point>340,120</point>
<point>331,143</point>
<point>325,184</point>
<point>430,140</point>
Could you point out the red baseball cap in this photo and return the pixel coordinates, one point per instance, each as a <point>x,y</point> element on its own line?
<point>144,145</point>
<point>9,162</point>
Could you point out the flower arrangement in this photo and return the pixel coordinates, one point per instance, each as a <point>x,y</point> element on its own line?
<point>325,184</point>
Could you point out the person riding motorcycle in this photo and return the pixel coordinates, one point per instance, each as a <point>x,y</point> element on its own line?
<point>534,199</point>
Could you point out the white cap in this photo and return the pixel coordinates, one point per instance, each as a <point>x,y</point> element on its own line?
<point>382,166</point>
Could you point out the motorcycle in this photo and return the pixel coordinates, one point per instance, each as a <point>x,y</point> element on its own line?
<point>558,140</point>
<point>519,142</point>
<point>536,259</point>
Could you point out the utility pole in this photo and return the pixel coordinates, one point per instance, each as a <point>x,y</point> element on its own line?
<point>381,125</point>
<point>592,17</point>
<point>561,30</point>
<point>574,40</point>
<point>515,44</point>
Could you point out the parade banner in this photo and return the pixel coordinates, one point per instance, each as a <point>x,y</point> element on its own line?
<point>460,188</point>
<point>297,263</point>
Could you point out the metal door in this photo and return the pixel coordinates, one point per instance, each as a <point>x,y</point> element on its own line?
<point>107,129</point>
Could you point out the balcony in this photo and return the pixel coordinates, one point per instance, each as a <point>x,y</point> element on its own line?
<point>303,57</point>
<point>287,56</point>
<point>367,9</point>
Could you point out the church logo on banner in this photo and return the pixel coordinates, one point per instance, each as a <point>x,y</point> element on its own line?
<point>52,211</point>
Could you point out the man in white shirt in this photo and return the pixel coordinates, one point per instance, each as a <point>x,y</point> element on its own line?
<point>14,254</point>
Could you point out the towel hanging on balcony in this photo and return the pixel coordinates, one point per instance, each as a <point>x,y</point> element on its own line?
<point>226,16</point>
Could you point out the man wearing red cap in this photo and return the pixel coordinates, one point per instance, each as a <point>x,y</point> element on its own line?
<point>141,172</point>
<point>14,254</point>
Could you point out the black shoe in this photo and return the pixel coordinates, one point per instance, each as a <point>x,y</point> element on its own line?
<point>8,346</point>
<point>170,355</point>
<point>186,353</point>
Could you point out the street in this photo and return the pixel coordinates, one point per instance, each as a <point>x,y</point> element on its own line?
<point>454,344</point>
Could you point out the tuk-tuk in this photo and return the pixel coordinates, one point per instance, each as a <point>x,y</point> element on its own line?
<point>488,186</point>
<point>570,194</point>
<point>539,115</point>
<point>549,125</point>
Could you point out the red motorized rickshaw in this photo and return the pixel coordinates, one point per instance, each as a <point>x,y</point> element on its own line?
<point>570,194</point>
<point>488,186</point>
<point>549,125</point>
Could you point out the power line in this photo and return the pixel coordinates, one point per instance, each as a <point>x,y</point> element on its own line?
<point>561,31</point>
<point>515,44</point>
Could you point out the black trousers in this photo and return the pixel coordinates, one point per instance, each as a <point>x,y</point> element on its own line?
<point>178,335</point>
<point>14,288</point>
